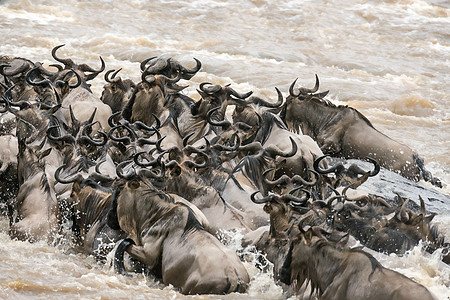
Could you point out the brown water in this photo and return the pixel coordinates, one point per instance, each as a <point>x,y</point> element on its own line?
<point>389,59</point>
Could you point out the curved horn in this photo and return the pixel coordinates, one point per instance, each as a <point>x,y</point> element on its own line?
<point>120,170</point>
<point>273,150</point>
<point>88,139</point>
<point>404,216</point>
<point>30,80</point>
<point>168,80</point>
<point>142,126</point>
<point>78,83</point>
<point>186,138</point>
<point>149,81</point>
<point>336,168</point>
<point>94,73</point>
<point>111,119</point>
<point>376,169</point>
<point>149,174</point>
<point>98,176</point>
<point>114,73</point>
<point>294,199</point>
<point>22,68</point>
<point>209,89</point>
<point>59,67</point>
<point>264,199</point>
<point>224,123</point>
<point>192,72</point>
<point>192,164</point>
<point>72,179</point>
<point>284,179</point>
<point>236,146</point>
<point>292,91</point>
<point>67,62</point>
<point>158,144</point>
<point>66,138</point>
<point>154,68</point>
<point>238,95</point>
<point>297,179</point>
<point>125,139</point>
<point>157,121</point>
<point>313,90</point>
<point>45,71</point>
<point>140,163</point>
<point>145,61</point>
<point>262,102</point>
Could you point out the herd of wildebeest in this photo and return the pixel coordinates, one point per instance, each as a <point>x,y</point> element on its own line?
<point>149,171</point>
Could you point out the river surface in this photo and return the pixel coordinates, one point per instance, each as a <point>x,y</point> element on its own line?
<point>389,59</point>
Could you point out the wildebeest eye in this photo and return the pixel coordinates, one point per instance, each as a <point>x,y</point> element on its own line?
<point>134,184</point>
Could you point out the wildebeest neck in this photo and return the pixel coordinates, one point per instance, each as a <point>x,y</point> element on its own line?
<point>323,263</point>
<point>314,115</point>
<point>269,120</point>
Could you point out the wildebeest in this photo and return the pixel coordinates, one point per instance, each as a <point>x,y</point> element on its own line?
<point>344,131</point>
<point>338,272</point>
<point>116,92</point>
<point>90,203</point>
<point>169,67</point>
<point>221,215</point>
<point>168,238</point>
<point>35,213</point>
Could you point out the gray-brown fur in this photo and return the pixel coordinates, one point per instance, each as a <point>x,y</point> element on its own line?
<point>157,225</point>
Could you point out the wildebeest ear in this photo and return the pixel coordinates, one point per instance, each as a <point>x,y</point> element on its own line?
<point>175,171</point>
<point>54,109</point>
<point>429,218</point>
<point>44,153</point>
<point>343,241</point>
<point>202,94</point>
<point>308,234</point>
<point>76,188</point>
<point>417,220</point>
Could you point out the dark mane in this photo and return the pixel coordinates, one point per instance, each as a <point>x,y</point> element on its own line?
<point>44,183</point>
<point>373,261</point>
<point>252,167</point>
<point>327,103</point>
<point>322,243</point>
<point>88,182</point>
<point>192,223</point>
<point>323,102</point>
<point>268,121</point>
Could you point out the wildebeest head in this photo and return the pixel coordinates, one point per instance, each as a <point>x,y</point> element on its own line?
<point>117,92</point>
<point>416,225</point>
<point>248,112</point>
<point>148,98</point>
<point>283,227</point>
<point>169,67</point>
<point>14,71</point>
<point>84,71</point>
<point>295,103</point>
<point>217,95</point>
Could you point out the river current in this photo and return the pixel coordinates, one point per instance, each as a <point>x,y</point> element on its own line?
<point>390,59</point>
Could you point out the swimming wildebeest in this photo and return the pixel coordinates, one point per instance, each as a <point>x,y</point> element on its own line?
<point>166,235</point>
<point>338,272</point>
<point>344,131</point>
